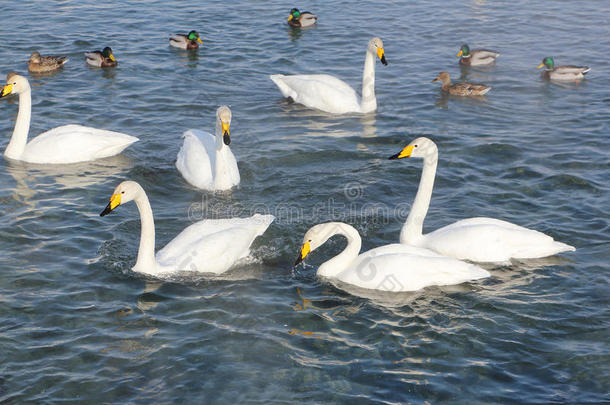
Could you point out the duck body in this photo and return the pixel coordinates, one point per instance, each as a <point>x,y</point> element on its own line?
<point>563,72</point>
<point>207,246</point>
<point>189,41</point>
<point>301,19</point>
<point>476,57</point>
<point>43,64</point>
<point>205,160</point>
<point>330,94</point>
<point>393,268</point>
<point>64,144</point>
<point>462,88</point>
<point>475,239</point>
<point>103,58</point>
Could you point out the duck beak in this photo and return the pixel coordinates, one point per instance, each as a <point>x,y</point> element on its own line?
<point>540,65</point>
<point>305,249</point>
<point>115,201</point>
<point>290,17</point>
<point>226,135</point>
<point>112,58</point>
<point>405,153</point>
<point>200,41</point>
<point>435,80</point>
<point>460,53</point>
<point>381,55</point>
<point>6,90</point>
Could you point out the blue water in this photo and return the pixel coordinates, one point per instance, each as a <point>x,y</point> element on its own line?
<point>76,324</point>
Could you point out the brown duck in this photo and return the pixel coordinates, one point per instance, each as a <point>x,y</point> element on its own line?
<point>42,64</point>
<point>461,89</point>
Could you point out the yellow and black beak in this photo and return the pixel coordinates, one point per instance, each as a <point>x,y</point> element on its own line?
<point>6,90</point>
<point>435,80</point>
<point>226,134</point>
<point>199,40</point>
<point>541,65</point>
<point>405,153</point>
<point>305,249</point>
<point>460,53</point>
<point>115,201</point>
<point>381,55</point>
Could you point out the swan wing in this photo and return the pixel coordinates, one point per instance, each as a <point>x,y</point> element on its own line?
<point>75,143</point>
<point>212,245</point>
<point>322,92</point>
<point>492,240</point>
<point>399,268</point>
<point>196,158</point>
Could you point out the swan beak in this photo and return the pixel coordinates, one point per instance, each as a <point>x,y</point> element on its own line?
<point>290,17</point>
<point>460,53</point>
<point>112,58</point>
<point>303,254</point>
<point>6,90</point>
<point>115,201</point>
<point>405,153</point>
<point>540,65</point>
<point>226,135</point>
<point>200,41</point>
<point>381,55</point>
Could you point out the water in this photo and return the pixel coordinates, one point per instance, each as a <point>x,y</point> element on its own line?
<point>77,324</point>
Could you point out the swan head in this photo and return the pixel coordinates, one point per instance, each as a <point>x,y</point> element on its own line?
<point>464,51</point>
<point>376,46</point>
<point>421,147</point>
<point>15,84</point>
<point>548,62</point>
<point>223,115</point>
<point>443,77</point>
<point>194,36</point>
<point>107,53</point>
<point>316,236</point>
<point>123,193</point>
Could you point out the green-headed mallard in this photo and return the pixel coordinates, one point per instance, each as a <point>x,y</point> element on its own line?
<point>103,58</point>
<point>565,72</point>
<point>476,57</point>
<point>42,64</point>
<point>461,89</point>
<point>301,19</point>
<point>188,41</point>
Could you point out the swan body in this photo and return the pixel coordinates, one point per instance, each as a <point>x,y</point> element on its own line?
<point>205,160</point>
<point>476,57</point>
<point>394,267</point>
<point>474,239</point>
<point>301,19</point>
<point>43,64</point>
<point>65,144</point>
<point>208,246</point>
<point>330,94</point>
<point>562,73</point>
<point>462,88</point>
<point>103,58</point>
<point>189,41</point>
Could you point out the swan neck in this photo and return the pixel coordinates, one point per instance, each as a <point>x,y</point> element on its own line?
<point>146,253</point>
<point>412,230</point>
<point>340,262</point>
<point>369,102</point>
<point>19,139</point>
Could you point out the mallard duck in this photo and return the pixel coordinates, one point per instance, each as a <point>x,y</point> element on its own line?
<point>103,58</point>
<point>461,89</point>
<point>188,41</point>
<point>301,19</point>
<point>476,57</point>
<point>565,72</point>
<point>42,64</point>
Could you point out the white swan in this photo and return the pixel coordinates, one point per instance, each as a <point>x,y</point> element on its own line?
<point>475,239</point>
<point>206,161</point>
<point>65,144</point>
<point>208,246</point>
<point>332,95</point>
<point>394,267</point>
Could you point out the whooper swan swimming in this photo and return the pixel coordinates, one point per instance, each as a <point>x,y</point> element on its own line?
<point>394,267</point>
<point>208,246</point>
<point>475,239</point>
<point>330,94</point>
<point>205,160</point>
<point>65,144</point>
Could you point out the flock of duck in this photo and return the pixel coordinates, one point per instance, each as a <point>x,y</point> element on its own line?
<point>443,257</point>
